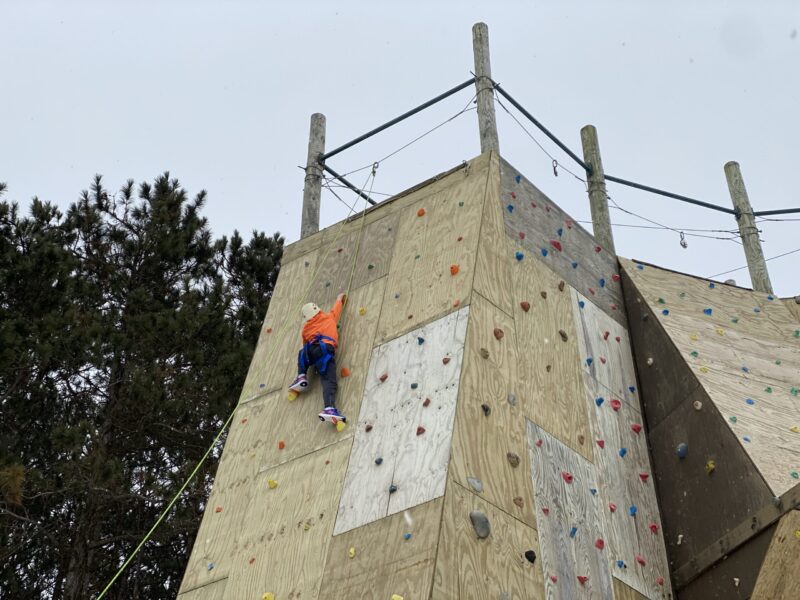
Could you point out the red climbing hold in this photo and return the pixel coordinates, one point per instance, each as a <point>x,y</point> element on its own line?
<point>605,335</point>
<point>566,476</point>
<point>514,195</point>
<point>368,427</point>
<point>644,476</point>
<point>525,306</point>
<point>533,204</point>
<point>456,303</point>
<point>243,421</point>
<point>615,277</point>
<point>612,507</point>
<point>384,377</point>
<point>427,402</point>
<point>653,527</point>
<point>603,359</point>
<point>556,244</point>
<point>218,509</point>
<point>598,249</point>
<point>636,428</point>
<point>615,404</point>
<point>453,269</point>
<point>522,235</point>
<point>445,360</point>
<point>420,430</point>
<point>269,329</point>
<point>583,579</point>
<point>545,511</point>
<point>640,560</point>
<point>591,291</point>
<point>601,443</point>
<point>617,338</point>
<point>281,445</point>
<point>553,578</point>
<point>539,443</point>
<point>460,238</point>
<point>613,306</point>
<point>659,580</point>
<point>498,333</point>
<point>599,544</point>
<point>421,212</point>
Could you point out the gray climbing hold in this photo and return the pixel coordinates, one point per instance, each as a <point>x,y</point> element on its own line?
<point>512,399</point>
<point>392,489</point>
<point>484,353</point>
<point>530,556</point>
<point>480,523</point>
<point>504,596</point>
<point>476,484</point>
<point>487,410</point>
<point>513,459</point>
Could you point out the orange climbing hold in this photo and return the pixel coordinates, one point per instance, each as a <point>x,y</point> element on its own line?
<point>453,270</point>
<point>281,445</point>
<point>243,421</point>
<point>218,509</point>
<point>345,372</point>
<point>456,303</point>
<point>421,212</point>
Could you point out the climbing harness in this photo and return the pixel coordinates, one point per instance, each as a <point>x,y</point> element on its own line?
<point>326,345</point>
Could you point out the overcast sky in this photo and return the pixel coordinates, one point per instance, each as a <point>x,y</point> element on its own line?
<point>220,94</point>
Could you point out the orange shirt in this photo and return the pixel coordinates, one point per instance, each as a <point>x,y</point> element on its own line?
<point>324,324</point>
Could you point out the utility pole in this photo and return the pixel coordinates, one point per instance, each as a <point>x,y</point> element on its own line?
<point>598,198</point>
<point>747,229</point>
<point>312,189</point>
<point>487,122</point>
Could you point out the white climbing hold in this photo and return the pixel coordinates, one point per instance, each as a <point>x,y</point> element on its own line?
<point>650,361</point>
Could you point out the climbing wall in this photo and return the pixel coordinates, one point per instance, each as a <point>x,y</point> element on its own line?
<point>720,371</point>
<point>495,445</point>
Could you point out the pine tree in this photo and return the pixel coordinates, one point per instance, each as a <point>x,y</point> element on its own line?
<point>126,332</point>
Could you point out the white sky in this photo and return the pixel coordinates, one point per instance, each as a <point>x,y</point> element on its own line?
<point>220,94</point>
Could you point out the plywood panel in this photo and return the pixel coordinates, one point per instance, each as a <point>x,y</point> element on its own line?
<point>623,592</point>
<point>494,567</point>
<point>385,563</point>
<point>549,367</point>
<point>421,286</point>
<point>620,462</point>
<point>283,538</point>
<point>481,442</point>
<point>794,308</point>
<point>533,220</point>
<point>605,350</point>
<point>212,591</point>
<point>393,409</point>
<point>568,505</point>
<point>778,575</point>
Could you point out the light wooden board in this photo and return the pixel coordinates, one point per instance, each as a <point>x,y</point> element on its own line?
<point>416,464</point>
<point>745,349</point>
<point>623,592</point>
<point>494,567</point>
<point>539,220</point>
<point>619,483</point>
<point>481,443</point>
<point>793,307</point>
<point>385,563</point>
<point>212,591</point>
<point>420,285</point>
<point>605,350</point>
<point>778,575</point>
<point>549,368</point>
<point>570,505</point>
<point>282,540</point>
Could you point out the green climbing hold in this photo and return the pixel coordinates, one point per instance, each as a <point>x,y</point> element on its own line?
<point>682,295</point>
<point>735,320</point>
<point>733,419</point>
<point>794,391</point>
<point>370,266</point>
<point>661,301</point>
<point>777,362</point>
<point>461,204</point>
<point>768,389</point>
<point>797,333</point>
<point>327,284</point>
<point>416,257</point>
<point>795,474</point>
<point>695,353</point>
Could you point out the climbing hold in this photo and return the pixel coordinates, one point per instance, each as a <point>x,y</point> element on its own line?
<point>707,311</point>
<point>694,354</point>
<point>545,511</point>
<point>553,578</point>
<point>745,369</point>
<point>218,509</point>
<point>513,459</point>
<point>623,452</point>
<point>518,501</point>
<point>601,443</point>
<point>561,286</point>
<point>636,428</point>
<point>352,552</point>
<point>599,400</point>
<point>420,340</point>
<point>615,404</point>
<point>583,579</point>
<point>795,474</point>
<point>345,372</point>
<point>593,491</point>
<point>591,291</point>
<point>498,333</point>
<point>510,208</point>
<point>560,231</point>
<point>703,369</point>
<point>426,402</point>
<point>383,377</point>
<point>454,270</point>
<point>794,391</point>
<point>640,560</point>
<point>644,477</point>
<point>682,450</point>
<point>661,301</point>
<point>281,445</point>
<point>456,303</point>
<point>768,389</point>
<point>574,265</point>
<point>210,566</point>
<point>621,564</point>
<point>710,466</point>
<point>252,560</point>
<point>750,401</point>
<point>612,507</point>
<point>599,544</point>
<point>487,410</point>
<point>659,581</point>
<point>544,251</point>
<point>602,282</point>
<point>268,596</point>
<point>539,442</point>
<point>368,427</point>
<point>420,430</point>
<point>480,523</point>
<point>597,249</point>
<point>665,312</point>
<point>573,532</point>
<point>522,235</point>
<point>519,256</point>
<point>460,238</point>
<point>406,536</point>
<point>603,359</point>
<point>530,556</point>
<point>475,483</point>
<point>756,310</point>
<point>269,329</point>
<point>556,244</point>
<point>484,353</point>
<point>581,303</point>
<point>567,477</point>
<point>605,335</point>
<point>680,539</point>
<point>650,361</point>
<point>272,484</point>
<point>581,439</point>
<point>396,597</point>
<point>543,294</point>
<point>720,331</point>
<point>589,361</point>
<point>379,461</point>
<point>631,388</point>
<point>392,489</point>
<point>370,267</point>
<point>563,335</point>
<point>746,439</point>
<point>733,419</point>
<point>243,421</point>
<point>421,212</point>
<point>794,429</point>
<point>526,306</point>
<point>517,178</point>
<point>414,386</point>
<point>615,277</point>
<point>511,399</point>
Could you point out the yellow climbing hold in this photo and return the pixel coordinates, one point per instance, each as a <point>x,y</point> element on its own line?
<point>794,429</point>
<point>397,597</point>
<point>340,426</point>
<point>693,337</point>
<point>703,369</point>
<point>351,553</point>
<point>292,396</point>
<point>720,331</point>
<point>797,533</point>
<point>268,596</point>
<point>272,484</point>
<point>362,311</point>
<point>710,466</point>
<point>306,526</point>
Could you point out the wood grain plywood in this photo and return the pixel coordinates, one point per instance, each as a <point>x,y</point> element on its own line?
<point>793,307</point>
<point>212,591</point>
<point>605,350</point>
<point>778,575</point>
<point>549,367</point>
<point>393,410</point>
<point>623,592</point>
<point>385,563</point>
<point>421,286</point>
<point>534,221</point>
<point>620,462</point>
<point>564,554</point>
<point>481,442</point>
<point>283,538</point>
<point>494,567</point>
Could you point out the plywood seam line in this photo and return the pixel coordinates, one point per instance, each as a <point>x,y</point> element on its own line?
<point>201,586</point>
<point>225,425</point>
<point>489,502</point>
<point>263,469</point>
<point>441,518</point>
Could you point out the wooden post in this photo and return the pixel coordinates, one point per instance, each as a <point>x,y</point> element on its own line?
<point>598,198</point>
<point>747,229</point>
<point>487,123</point>
<point>312,189</point>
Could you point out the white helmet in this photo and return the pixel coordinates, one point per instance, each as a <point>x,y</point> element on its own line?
<point>310,310</point>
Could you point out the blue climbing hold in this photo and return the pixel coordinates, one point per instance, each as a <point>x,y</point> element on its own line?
<point>640,267</point>
<point>632,389</point>
<point>406,536</point>
<point>560,231</point>
<point>750,401</point>
<point>621,564</point>
<point>510,208</point>
<point>519,256</point>
<point>420,340</point>
<point>623,452</point>
<point>711,285</point>
<point>633,510</point>
<point>682,450</point>
<point>573,531</point>
<point>261,385</point>
<point>746,439</point>
<point>745,369</point>
<point>602,282</point>
<point>544,251</point>
<point>392,489</point>
<point>581,303</point>
<point>599,400</point>
<point>707,311</point>
<point>665,312</point>
<point>517,178</point>
<point>593,491</point>
<point>589,361</point>
<point>574,265</point>
<point>210,566</point>
<point>770,297</point>
<point>756,310</point>
<point>378,461</point>
<point>414,386</point>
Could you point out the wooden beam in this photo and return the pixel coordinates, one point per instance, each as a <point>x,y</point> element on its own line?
<point>312,190</point>
<point>487,122</point>
<point>598,198</point>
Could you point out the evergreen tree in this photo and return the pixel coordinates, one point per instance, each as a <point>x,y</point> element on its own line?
<point>126,332</point>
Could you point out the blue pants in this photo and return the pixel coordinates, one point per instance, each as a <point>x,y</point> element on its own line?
<point>328,379</point>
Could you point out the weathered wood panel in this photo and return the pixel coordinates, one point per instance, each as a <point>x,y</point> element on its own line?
<point>549,365</point>
<point>569,519</point>
<point>623,592</point>
<point>282,541</point>
<point>483,442</point>
<point>793,307</point>
<point>535,222</point>
<point>778,576</point>
<point>212,591</point>
<point>392,413</point>
<point>620,462</point>
<point>494,567</point>
<point>433,264</point>
<point>385,562</point>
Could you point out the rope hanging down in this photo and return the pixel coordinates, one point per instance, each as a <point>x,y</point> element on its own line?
<point>228,421</point>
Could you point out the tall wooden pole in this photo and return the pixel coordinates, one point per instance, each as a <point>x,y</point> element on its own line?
<point>598,198</point>
<point>747,229</point>
<point>487,123</point>
<point>312,189</point>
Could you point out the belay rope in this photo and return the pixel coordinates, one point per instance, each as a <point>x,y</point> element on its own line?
<point>228,421</point>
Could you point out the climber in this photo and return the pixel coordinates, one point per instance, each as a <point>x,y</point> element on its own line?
<point>320,340</point>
